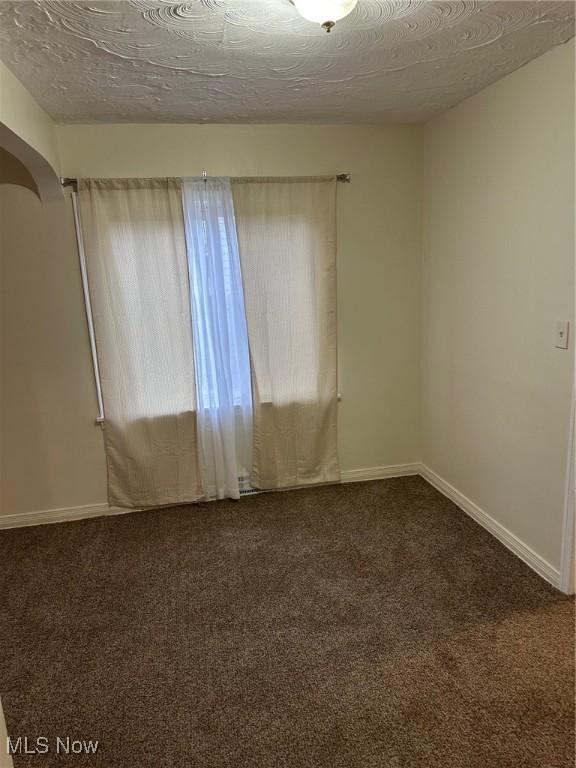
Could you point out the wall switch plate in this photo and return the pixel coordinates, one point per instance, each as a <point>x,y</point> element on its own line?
<point>562,330</point>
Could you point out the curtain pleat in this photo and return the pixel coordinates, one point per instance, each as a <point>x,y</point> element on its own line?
<point>137,274</point>
<point>287,239</point>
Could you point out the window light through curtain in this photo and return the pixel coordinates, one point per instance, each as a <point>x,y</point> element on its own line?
<point>210,373</point>
<point>221,357</point>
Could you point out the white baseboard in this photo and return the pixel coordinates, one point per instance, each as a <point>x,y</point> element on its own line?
<point>512,542</point>
<point>506,537</point>
<point>65,514</point>
<point>43,516</point>
<point>379,473</point>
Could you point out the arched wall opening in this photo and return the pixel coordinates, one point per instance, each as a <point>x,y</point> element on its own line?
<point>23,165</point>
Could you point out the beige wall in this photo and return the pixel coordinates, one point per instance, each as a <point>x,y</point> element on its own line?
<point>498,272</point>
<point>54,457</point>
<point>51,454</point>
<point>21,114</point>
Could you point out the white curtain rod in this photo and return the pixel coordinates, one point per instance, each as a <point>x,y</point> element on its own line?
<point>87,306</point>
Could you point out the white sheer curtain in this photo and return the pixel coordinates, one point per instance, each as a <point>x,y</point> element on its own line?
<point>221,357</point>
<point>136,260</point>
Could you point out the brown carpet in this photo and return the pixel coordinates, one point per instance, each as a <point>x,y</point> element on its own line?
<point>370,625</point>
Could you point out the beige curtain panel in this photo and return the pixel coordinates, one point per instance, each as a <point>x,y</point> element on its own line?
<point>137,273</point>
<point>287,240</point>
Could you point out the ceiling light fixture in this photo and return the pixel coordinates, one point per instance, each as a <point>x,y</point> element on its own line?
<point>325,12</point>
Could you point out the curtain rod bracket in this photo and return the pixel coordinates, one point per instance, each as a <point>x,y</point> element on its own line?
<point>346,178</point>
<point>205,176</point>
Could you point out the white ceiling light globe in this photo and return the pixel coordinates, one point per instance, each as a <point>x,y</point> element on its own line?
<point>321,11</point>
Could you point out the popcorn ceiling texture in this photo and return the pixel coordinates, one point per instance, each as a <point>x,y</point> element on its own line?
<point>259,61</point>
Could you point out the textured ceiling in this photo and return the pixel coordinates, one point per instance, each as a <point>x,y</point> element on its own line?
<point>259,61</point>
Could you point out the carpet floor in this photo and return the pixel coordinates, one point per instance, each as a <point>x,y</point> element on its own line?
<point>370,625</point>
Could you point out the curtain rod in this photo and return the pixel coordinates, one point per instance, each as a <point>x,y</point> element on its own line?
<point>67,181</point>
